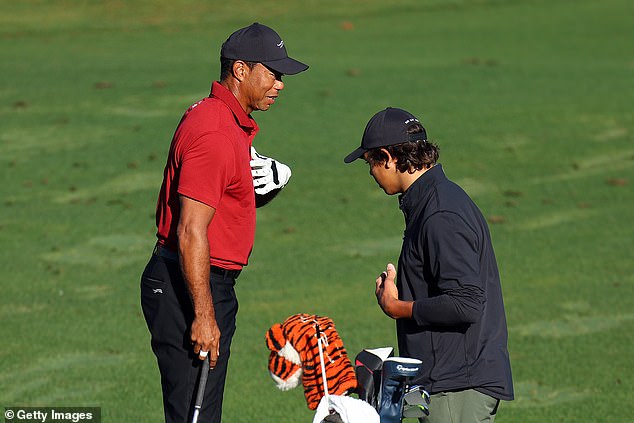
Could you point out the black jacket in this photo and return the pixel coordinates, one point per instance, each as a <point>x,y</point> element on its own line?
<point>447,267</point>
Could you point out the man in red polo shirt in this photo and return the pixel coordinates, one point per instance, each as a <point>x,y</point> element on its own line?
<point>206,220</point>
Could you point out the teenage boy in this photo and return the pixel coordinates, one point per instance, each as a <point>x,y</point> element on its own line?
<point>446,296</point>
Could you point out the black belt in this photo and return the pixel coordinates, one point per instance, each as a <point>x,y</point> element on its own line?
<point>165,253</point>
<point>172,255</point>
<point>225,273</point>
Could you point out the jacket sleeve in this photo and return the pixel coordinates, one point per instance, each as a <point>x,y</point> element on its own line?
<point>456,294</point>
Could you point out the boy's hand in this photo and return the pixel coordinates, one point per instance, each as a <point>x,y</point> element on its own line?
<point>387,295</point>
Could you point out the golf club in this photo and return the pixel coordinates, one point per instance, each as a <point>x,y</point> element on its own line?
<point>204,372</point>
<point>321,360</point>
<point>415,402</point>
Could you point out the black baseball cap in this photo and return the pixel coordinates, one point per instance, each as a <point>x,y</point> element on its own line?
<point>259,43</point>
<point>387,127</point>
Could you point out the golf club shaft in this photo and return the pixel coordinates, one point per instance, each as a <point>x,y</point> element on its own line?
<point>321,360</point>
<point>204,372</point>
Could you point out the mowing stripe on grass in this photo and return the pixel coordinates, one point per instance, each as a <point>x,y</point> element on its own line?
<point>555,218</point>
<point>532,394</point>
<point>111,250</point>
<point>7,310</point>
<point>571,325</point>
<point>123,184</point>
<point>605,164</point>
<point>475,187</point>
<point>39,381</point>
<point>372,248</point>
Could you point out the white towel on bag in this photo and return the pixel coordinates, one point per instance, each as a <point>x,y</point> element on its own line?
<point>351,410</point>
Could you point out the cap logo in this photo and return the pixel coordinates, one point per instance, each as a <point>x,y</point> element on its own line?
<point>281,44</point>
<point>408,121</point>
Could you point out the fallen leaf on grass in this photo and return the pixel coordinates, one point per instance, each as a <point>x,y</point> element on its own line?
<point>617,182</point>
<point>347,26</point>
<point>476,61</point>
<point>102,85</point>
<point>496,219</point>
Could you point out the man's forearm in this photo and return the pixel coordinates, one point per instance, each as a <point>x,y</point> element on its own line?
<point>194,261</point>
<point>193,250</point>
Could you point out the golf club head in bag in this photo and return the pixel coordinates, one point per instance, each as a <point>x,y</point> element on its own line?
<point>368,367</point>
<point>397,374</point>
<point>415,402</point>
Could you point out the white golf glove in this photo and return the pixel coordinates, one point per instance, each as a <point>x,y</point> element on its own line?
<point>268,174</point>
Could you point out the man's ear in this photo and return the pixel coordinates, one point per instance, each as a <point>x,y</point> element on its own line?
<point>240,70</point>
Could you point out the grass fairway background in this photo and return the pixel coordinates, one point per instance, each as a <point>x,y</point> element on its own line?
<point>530,101</point>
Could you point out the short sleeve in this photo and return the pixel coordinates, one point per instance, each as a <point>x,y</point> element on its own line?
<point>207,168</point>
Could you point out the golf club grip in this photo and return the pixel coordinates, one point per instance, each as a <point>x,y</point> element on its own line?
<point>204,372</point>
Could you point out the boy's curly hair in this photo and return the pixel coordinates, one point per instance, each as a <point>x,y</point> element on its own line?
<point>410,156</point>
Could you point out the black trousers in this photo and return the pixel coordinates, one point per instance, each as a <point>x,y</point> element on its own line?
<point>169,314</point>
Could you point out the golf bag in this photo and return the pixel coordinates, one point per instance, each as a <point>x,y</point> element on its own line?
<point>384,382</point>
<point>307,348</point>
<point>397,374</point>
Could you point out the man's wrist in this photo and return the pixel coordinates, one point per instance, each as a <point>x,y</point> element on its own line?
<point>204,311</point>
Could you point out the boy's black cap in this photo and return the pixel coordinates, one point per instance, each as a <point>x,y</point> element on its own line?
<point>387,127</point>
<point>259,43</point>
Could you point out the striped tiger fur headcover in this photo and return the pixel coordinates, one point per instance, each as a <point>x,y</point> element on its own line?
<point>295,354</point>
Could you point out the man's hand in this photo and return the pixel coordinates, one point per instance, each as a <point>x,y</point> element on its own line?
<point>387,295</point>
<point>268,174</point>
<point>205,337</point>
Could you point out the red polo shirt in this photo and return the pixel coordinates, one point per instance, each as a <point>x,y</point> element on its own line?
<point>208,161</point>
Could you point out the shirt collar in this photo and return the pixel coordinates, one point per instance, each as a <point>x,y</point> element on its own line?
<point>410,199</point>
<point>227,97</point>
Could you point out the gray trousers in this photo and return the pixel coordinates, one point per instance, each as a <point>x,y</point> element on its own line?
<point>469,406</point>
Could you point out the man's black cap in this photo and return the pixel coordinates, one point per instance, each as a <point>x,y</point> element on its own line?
<point>259,43</point>
<point>387,127</point>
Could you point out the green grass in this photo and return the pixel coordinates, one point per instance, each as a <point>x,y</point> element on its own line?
<point>530,101</point>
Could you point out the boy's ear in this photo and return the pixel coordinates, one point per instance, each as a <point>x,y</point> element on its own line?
<point>390,161</point>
